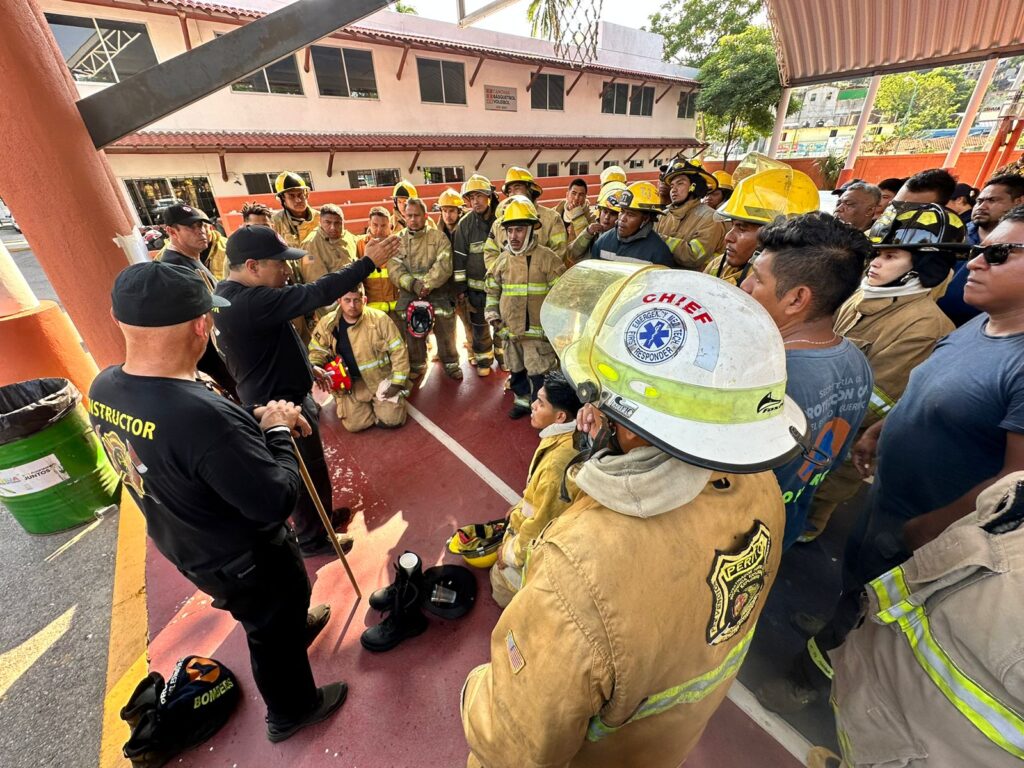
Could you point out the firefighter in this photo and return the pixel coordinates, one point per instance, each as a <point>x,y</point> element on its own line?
<point>451,204</point>
<point>758,200</point>
<point>402,192</point>
<point>634,237</point>
<point>328,249</point>
<point>469,270</point>
<point>520,182</point>
<point>613,173</point>
<point>606,219</point>
<point>714,198</point>
<point>256,213</point>
<point>672,544</point>
<point>297,219</point>
<point>381,293</point>
<point>421,271</point>
<point>689,227</point>
<point>368,350</point>
<point>521,277</point>
<point>894,319</point>
<point>574,210</point>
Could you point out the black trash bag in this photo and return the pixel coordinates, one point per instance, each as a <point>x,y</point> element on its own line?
<point>28,407</point>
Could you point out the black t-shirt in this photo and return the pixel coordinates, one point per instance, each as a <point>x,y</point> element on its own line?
<point>344,347</point>
<point>210,483</point>
<point>263,351</point>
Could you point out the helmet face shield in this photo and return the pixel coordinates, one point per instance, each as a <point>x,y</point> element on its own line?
<point>918,225</point>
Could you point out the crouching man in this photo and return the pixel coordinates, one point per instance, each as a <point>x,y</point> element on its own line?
<point>369,364</point>
<point>554,414</point>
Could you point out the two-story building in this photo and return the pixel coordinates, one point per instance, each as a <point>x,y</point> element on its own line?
<point>393,96</point>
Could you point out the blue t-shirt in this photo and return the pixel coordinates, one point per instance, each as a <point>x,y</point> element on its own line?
<point>832,386</point>
<point>948,431</point>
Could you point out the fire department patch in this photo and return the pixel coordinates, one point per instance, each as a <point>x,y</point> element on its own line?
<point>737,580</point>
<point>515,658</point>
<point>124,460</point>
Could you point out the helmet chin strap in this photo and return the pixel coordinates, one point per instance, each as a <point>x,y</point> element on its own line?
<point>526,243</point>
<point>903,279</point>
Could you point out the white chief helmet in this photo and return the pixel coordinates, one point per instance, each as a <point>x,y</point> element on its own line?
<point>689,362</point>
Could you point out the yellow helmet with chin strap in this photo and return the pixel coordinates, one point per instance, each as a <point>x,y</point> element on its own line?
<point>520,210</point>
<point>449,198</point>
<point>694,169</point>
<point>770,194</point>
<point>478,544</point>
<point>404,188</point>
<point>613,173</point>
<point>477,183</point>
<point>517,174</point>
<point>611,190</point>
<point>639,196</point>
<point>724,180</point>
<point>289,180</point>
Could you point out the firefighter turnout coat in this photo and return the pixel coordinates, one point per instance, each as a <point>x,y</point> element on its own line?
<point>381,293</point>
<point>723,270</point>
<point>933,677</point>
<point>426,256</point>
<point>579,219</point>
<point>551,234</point>
<point>470,271</point>
<point>377,346</point>
<point>896,334</point>
<point>516,287</point>
<point>323,255</point>
<point>625,576</point>
<point>691,233</point>
<point>293,230</point>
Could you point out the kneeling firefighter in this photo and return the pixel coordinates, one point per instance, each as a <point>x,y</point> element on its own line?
<point>678,481</point>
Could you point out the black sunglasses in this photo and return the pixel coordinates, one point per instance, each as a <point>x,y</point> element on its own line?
<point>994,254</point>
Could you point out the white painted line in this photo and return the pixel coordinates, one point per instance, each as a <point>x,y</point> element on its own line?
<point>786,735</point>
<point>789,738</point>
<point>72,541</point>
<point>499,485</point>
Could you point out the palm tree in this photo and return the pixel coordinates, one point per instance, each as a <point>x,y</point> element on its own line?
<point>545,17</point>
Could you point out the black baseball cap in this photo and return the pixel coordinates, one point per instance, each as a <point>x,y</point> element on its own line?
<point>154,294</point>
<point>179,213</point>
<point>839,190</point>
<point>255,241</point>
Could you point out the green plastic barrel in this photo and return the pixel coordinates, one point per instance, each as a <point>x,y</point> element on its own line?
<point>54,474</point>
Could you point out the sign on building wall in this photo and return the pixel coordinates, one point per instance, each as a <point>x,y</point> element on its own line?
<point>499,98</point>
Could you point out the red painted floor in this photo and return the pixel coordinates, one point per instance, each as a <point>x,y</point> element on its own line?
<point>407,492</point>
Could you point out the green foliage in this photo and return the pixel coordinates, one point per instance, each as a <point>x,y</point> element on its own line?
<point>401,7</point>
<point>693,28</point>
<point>919,100</point>
<point>545,17</point>
<point>740,87</point>
<point>830,166</point>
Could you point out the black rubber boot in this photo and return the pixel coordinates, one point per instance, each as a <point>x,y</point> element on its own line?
<point>381,599</point>
<point>404,617</point>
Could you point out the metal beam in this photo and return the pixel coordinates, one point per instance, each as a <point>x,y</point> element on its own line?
<point>481,160</point>
<point>401,64</point>
<point>533,77</point>
<point>574,82</point>
<point>415,157</point>
<point>165,88</point>
<point>476,70</point>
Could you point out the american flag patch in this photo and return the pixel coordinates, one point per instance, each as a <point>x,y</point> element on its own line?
<point>515,658</point>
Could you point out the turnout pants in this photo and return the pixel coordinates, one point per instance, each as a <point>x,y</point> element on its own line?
<point>528,360</point>
<point>360,409</point>
<point>267,591</point>
<point>447,350</point>
<point>308,527</point>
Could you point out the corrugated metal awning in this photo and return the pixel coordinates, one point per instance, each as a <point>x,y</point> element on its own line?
<point>825,40</point>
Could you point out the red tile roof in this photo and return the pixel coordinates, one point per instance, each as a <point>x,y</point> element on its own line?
<point>267,141</point>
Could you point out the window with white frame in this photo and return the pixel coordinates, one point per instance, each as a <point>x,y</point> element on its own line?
<point>608,164</point>
<point>345,72</point>
<point>547,169</point>
<point>377,177</point>
<point>150,196</point>
<point>101,51</point>
<point>443,174</point>
<point>641,100</point>
<point>548,92</point>
<point>263,183</point>
<point>579,168</point>
<point>615,98</point>
<point>687,106</point>
<point>636,164</point>
<point>441,82</point>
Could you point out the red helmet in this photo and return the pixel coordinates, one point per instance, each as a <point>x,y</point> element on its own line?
<point>419,318</point>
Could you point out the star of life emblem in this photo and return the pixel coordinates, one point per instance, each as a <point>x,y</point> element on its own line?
<point>655,335</point>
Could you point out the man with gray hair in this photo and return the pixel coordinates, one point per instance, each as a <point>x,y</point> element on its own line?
<point>858,204</point>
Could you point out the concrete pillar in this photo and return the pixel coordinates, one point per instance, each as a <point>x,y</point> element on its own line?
<point>858,136</point>
<point>780,120</point>
<point>972,111</point>
<point>59,187</point>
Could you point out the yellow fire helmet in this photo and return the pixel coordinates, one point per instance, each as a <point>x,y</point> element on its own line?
<point>404,188</point>
<point>520,210</point>
<point>724,180</point>
<point>515,173</point>
<point>477,183</point>
<point>449,198</point>
<point>288,180</point>
<point>611,190</point>
<point>765,196</point>
<point>612,173</point>
<point>639,196</point>
<point>680,166</point>
<point>755,162</point>
<point>478,544</point>
<point>690,363</point>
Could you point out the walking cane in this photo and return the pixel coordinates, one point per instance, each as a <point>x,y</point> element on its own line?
<point>324,518</point>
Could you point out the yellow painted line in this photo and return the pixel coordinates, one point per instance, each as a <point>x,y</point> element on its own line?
<point>17,661</point>
<point>127,661</point>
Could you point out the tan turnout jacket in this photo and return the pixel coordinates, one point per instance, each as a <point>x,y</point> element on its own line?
<point>517,286</point>
<point>551,234</point>
<point>377,346</point>
<point>691,233</point>
<point>425,255</point>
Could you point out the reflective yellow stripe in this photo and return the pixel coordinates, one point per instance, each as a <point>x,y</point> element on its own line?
<point>999,723</point>
<point>384,306</point>
<point>379,363</point>
<point>819,658</point>
<point>377,274</point>
<point>689,692</point>
<point>525,289</point>
<point>314,347</point>
<point>690,401</point>
<point>672,242</point>
<point>477,285</point>
<point>395,344</point>
<point>399,378</point>
<point>557,238</point>
<point>460,275</point>
<point>477,247</point>
<point>697,249</point>
<point>880,402</point>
